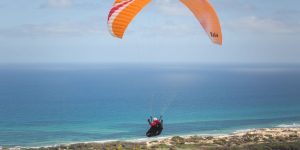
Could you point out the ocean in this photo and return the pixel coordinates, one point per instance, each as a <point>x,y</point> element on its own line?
<point>48,104</point>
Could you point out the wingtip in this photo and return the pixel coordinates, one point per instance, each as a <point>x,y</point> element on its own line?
<point>218,42</point>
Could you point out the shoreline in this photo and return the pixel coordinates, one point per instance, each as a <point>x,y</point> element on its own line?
<point>239,139</point>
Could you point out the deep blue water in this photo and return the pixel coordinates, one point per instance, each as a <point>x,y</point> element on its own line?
<point>50,104</point>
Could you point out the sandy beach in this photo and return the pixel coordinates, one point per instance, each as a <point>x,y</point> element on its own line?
<point>265,138</point>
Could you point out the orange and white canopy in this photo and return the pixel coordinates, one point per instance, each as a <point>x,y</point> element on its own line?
<point>123,12</point>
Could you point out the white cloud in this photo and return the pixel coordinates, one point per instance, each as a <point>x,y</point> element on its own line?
<point>86,27</point>
<point>77,4</point>
<point>234,5</point>
<point>59,3</point>
<point>171,7</point>
<point>170,29</point>
<point>264,25</point>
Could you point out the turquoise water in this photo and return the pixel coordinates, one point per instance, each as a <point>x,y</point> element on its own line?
<point>51,104</point>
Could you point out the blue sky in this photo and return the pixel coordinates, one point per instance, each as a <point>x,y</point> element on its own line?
<point>75,31</point>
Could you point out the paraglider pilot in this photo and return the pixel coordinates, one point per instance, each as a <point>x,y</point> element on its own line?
<point>156,126</point>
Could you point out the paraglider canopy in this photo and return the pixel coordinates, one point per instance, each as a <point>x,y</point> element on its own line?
<point>124,11</point>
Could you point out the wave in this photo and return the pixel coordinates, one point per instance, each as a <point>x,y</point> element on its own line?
<point>243,130</point>
<point>293,125</point>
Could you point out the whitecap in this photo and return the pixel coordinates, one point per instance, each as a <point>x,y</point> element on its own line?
<point>294,125</point>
